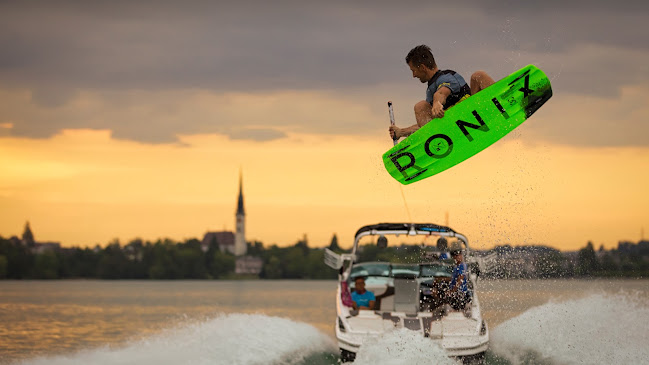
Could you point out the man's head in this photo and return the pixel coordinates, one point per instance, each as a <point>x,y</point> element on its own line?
<point>421,62</point>
<point>359,284</point>
<point>456,251</point>
<point>457,256</point>
<point>442,244</point>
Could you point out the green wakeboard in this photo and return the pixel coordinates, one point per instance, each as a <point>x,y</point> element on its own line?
<point>469,126</point>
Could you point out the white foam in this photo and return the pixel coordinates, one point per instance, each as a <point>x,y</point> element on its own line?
<point>401,347</point>
<point>598,329</point>
<point>228,339</point>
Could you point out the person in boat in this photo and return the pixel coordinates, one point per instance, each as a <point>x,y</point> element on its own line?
<point>363,299</point>
<point>459,295</point>
<point>442,247</point>
<point>445,89</point>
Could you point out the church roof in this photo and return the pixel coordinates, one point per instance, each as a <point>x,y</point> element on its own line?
<point>224,238</point>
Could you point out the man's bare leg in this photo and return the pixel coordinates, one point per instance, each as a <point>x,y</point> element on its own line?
<point>480,81</point>
<point>423,113</point>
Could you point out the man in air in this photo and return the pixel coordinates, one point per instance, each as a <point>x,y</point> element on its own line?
<point>445,89</point>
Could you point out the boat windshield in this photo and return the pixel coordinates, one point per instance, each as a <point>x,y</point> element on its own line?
<point>371,269</point>
<point>407,270</point>
<point>383,269</point>
<point>430,270</point>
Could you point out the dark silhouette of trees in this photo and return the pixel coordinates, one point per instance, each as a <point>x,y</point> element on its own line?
<point>272,269</point>
<point>222,265</point>
<point>587,263</point>
<point>550,264</point>
<point>167,259</point>
<point>20,261</point>
<point>333,246</point>
<point>4,263</point>
<point>46,266</point>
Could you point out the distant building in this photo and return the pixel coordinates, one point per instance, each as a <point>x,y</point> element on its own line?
<point>235,242</point>
<point>42,247</point>
<point>224,239</point>
<point>28,236</point>
<point>248,265</point>
<point>240,246</point>
<point>15,241</point>
<point>37,247</point>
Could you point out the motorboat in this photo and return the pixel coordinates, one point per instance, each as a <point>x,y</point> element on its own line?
<point>408,295</point>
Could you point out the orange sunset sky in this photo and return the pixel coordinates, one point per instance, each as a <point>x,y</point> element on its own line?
<point>124,121</point>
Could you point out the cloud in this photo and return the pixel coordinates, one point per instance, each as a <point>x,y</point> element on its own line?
<point>162,116</point>
<point>5,129</point>
<point>165,116</point>
<point>288,44</point>
<point>583,120</point>
<point>133,68</point>
<point>257,134</point>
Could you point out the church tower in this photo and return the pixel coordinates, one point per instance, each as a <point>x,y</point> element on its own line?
<point>28,236</point>
<point>240,235</point>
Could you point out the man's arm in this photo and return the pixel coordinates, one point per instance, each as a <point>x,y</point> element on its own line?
<point>458,282</point>
<point>424,113</point>
<point>439,99</point>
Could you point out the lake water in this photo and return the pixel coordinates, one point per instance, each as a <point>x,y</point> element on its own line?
<point>291,322</point>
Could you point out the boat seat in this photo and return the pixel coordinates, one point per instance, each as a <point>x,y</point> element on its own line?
<point>385,301</point>
<point>406,295</point>
<point>378,290</point>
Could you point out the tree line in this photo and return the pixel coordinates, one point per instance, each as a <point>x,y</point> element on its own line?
<point>168,259</point>
<point>628,260</point>
<point>162,259</point>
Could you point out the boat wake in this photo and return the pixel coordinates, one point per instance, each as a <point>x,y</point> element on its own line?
<point>228,339</point>
<point>402,347</point>
<point>598,329</point>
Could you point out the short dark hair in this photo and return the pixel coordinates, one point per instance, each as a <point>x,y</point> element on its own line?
<point>421,55</point>
<point>442,243</point>
<point>359,277</point>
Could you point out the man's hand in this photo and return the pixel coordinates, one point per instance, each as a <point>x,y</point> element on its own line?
<point>439,99</point>
<point>438,110</point>
<point>395,132</point>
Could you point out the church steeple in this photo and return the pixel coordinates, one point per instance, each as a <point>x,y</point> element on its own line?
<point>240,246</point>
<point>240,210</point>
<point>28,236</point>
